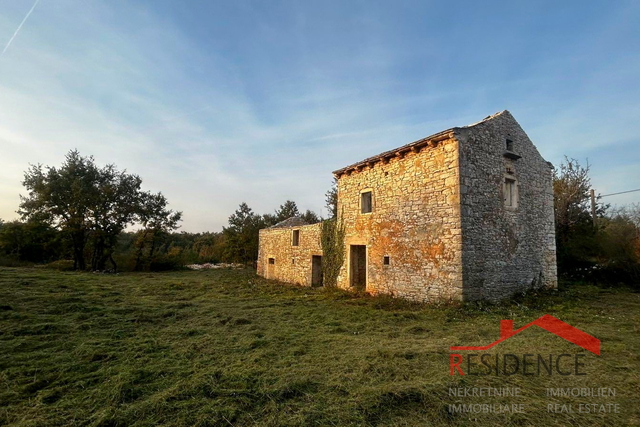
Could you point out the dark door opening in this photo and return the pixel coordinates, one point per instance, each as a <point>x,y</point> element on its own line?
<point>316,270</point>
<point>271,267</point>
<point>358,261</point>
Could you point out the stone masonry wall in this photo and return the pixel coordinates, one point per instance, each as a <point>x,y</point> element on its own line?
<point>292,263</point>
<point>505,249</point>
<point>415,221</point>
<point>439,215</point>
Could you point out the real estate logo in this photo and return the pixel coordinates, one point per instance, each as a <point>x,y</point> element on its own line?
<point>526,364</point>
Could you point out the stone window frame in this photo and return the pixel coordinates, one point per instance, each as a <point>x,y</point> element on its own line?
<point>515,195</point>
<point>295,240</point>
<point>386,260</point>
<point>363,191</point>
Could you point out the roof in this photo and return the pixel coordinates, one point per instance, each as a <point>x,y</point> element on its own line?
<point>294,221</point>
<point>415,145</point>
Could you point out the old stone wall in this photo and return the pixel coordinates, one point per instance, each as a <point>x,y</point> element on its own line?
<point>440,227</point>
<point>505,249</point>
<point>291,264</point>
<point>415,221</point>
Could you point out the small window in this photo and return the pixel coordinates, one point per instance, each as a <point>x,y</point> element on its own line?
<point>509,145</point>
<point>272,260</point>
<point>365,202</point>
<point>510,193</point>
<point>296,238</point>
<point>386,260</point>
<point>293,260</point>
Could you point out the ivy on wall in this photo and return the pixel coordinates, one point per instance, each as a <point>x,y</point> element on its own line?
<point>332,236</point>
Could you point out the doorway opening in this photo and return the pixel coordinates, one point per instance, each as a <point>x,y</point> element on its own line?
<point>358,263</point>
<point>316,270</point>
<point>271,266</point>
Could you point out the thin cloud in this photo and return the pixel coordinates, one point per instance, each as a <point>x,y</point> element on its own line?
<point>240,113</point>
<point>19,27</point>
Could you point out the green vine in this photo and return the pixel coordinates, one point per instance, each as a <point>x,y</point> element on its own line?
<point>332,235</point>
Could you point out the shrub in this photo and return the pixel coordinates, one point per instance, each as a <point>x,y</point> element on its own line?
<point>9,261</point>
<point>620,251</point>
<point>60,265</point>
<point>165,263</point>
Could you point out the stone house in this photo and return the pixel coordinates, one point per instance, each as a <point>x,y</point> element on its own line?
<point>464,214</point>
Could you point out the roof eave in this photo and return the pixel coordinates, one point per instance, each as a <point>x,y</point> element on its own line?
<point>413,146</point>
<point>384,157</point>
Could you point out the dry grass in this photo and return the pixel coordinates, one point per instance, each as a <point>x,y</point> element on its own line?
<point>229,348</point>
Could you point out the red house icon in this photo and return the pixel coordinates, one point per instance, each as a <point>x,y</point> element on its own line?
<point>549,323</point>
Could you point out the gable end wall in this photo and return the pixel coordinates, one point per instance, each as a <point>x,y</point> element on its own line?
<point>504,250</point>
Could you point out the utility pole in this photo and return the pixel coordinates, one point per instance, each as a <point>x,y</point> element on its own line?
<point>593,205</point>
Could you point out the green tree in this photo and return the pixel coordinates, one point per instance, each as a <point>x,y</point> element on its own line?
<point>310,217</point>
<point>242,235</point>
<point>87,203</point>
<point>209,247</point>
<point>619,244</point>
<point>286,211</point>
<point>331,199</point>
<point>114,203</point>
<point>59,197</point>
<point>576,236</point>
<point>157,222</point>
<point>269,220</point>
<point>30,241</point>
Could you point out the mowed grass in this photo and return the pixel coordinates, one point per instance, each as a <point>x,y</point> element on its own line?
<point>229,348</point>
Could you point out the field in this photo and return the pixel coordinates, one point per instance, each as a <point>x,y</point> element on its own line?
<point>229,348</point>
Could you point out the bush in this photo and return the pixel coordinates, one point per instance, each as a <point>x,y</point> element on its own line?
<point>60,265</point>
<point>8,261</point>
<point>165,263</point>
<point>620,251</point>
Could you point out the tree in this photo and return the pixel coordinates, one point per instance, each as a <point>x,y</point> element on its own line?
<point>87,203</point>
<point>269,220</point>
<point>209,247</point>
<point>30,241</point>
<point>242,235</point>
<point>113,205</point>
<point>287,210</point>
<point>619,244</point>
<point>575,233</point>
<point>331,198</point>
<point>310,217</point>
<point>157,221</point>
<point>59,197</point>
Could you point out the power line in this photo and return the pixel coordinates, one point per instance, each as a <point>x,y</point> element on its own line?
<point>622,192</point>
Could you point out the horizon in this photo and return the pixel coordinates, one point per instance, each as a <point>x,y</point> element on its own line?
<point>219,104</point>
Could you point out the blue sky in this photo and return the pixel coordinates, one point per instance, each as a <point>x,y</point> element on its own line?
<point>216,102</point>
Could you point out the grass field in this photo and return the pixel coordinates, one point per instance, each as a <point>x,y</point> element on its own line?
<point>229,348</point>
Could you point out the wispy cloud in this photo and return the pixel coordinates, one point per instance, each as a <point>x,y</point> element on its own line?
<point>215,105</point>
<point>19,27</point>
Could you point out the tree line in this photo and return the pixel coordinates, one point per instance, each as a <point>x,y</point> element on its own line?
<point>81,216</point>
